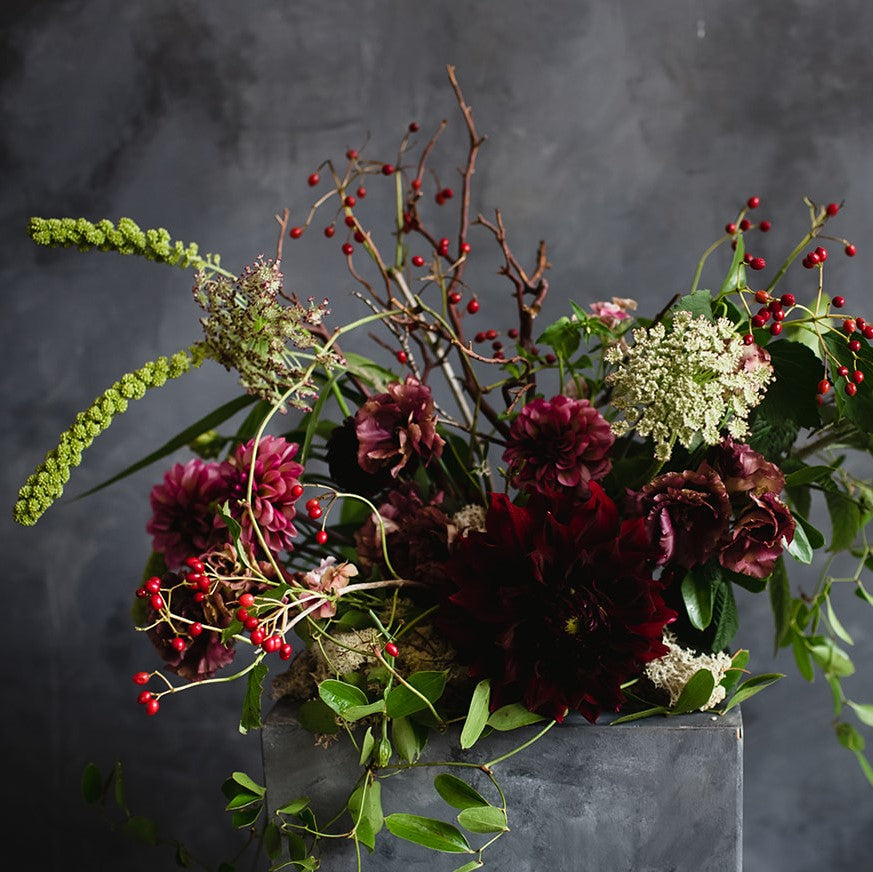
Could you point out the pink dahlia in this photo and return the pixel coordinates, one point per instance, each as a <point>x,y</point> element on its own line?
<point>557,615</point>
<point>183,511</point>
<point>397,427</point>
<point>276,474</point>
<point>557,447</point>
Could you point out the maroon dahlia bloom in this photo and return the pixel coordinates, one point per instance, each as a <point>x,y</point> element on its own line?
<point>395,427</point>
<point>557,615</point>
<point>687,514</point>
<point>743,469</point>
<point>276,474</point>
<point>556,447</point>
<point>756,540</point>
<point>183,511</point>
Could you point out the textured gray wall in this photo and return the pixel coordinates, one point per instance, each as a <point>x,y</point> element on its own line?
<point>623,133</point>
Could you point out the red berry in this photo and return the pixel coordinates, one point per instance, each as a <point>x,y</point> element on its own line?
<point>443,246</point>
<point>144,696</point>
<point>329,231</point>
<point>348,248</point>
<point>850,250</point>
<point>491,334</point>
<point>787,300</point>
<point>745,224</point>
<point>295,232</point>
<point>359,236</point>
<point>857,376</point>
<point>246,600</point>
<point>479,337</point>
<point>195,629</point>
<point>765,313</point>
<point>179,644</point>
<point>391,649</point>
<point>454,298</point>
<point>812,258</point>
<point>775,329</point>
<point>447,193</point>
<point>194,563</point>
<point>748,339</point>
<point>321,537</point>
<point>272,644</point>
<point>401,356</point>
<point>832,209</point>
<point>730,229</point>
<point>774,306</point>
<point>417,260</point>
<point>824,386</point>
<point>152,707</point>
<point>258,636</point>
<point>861,323</point>
<point>153,585</point>
<point>416,184</point>
<point>349,201</point>
<point>851,389</point>
<point>157,602</point>
<point>251,623</point>
<point>203,584</point>
<point>296,492</point>
<point>512,333</point>
<point>199,596</point>
<point>414,127</point>
<point>855,345</point>
<point>849,325</point>
<point>361,192</point>
<point>497,345</point>
<point>843,371</point>
<point>753,202</point>
<point>473,306</point>
<point>762,297</point>
<point>315,513</point>
<point>141,678</point>
<point>551,359</point>
<point>311,503</point>
<point>352,154</point>
<point>758,321</point>
<point>764,226</point>
<point>466,248</point>
<point>822,254</point>
<point>194,579</point>
<point>779,315</point>
<point>838,302</point>
<point>868,332</point>
<point>285,651</point>
<point>241,614</point>
<point>313,180</point>
<point>757,263</point>
<point>349,221</point>
<point>387,169</point>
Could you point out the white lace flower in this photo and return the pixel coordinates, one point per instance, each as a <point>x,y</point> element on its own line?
<point>674,670</point>
<point>685,384</point>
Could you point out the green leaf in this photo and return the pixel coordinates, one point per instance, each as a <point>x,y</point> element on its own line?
<point>799,547</point>
<point>368,371</point>
<point>697,593</point>
<point>780,602</point>
<point>752,686</point>
<point>697,303</point>
<point>316,717</point>
<point>247,783</point>
<point>245,817</point>
<point>808,475</point>
<point>457,793</point>
<point>365,807</point>
<point>845,519</point>
<point>725,616</point>
<point>865,766</point>
<point>849,737</point>
<point>92,783</point>
<point>469,867</point>
<point>272,841</point>
<point>408,741</point>
<point>511,717</point>
<point>341,696</point>
<point>188,435</point>
<point>294,807</point>
<point>142,829</point>
<point>243,799</point>
<point>251,711</point>
<point>839,630</point>
<point>477,715</point>
<point>367,745</point>
<point>832,659</point>
<point>401,701</point>
<point>736,276</point>
<point>794,364</point>
<point>733,675</point>
<point>118,777</point>
<point>356,712</point>
<point>695,694</point>
<point>638,716</point>
<point>430,833</point>
<point>864,712</point>
<point>483,819</point>
<point>801,657</point>
<point>815,537</point>
<point>562,336</point>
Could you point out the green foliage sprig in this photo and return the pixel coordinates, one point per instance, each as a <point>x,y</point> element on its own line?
<point>46,484</point>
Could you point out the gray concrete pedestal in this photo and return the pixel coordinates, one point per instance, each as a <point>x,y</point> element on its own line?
<point>656,795</point>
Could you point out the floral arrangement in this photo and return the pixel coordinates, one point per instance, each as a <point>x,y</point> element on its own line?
<point>487,523</point>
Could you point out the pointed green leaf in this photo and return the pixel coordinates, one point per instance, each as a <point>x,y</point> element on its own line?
<point>751,686</point>
<point>243,799</point>
<point>780,603</point>
<point>799,547</point>
<point>695,694</point>
<point>367,745</point>
<point>251,712</point>
<point>836,626</point>
<point>430,833</point>
<point>92,783</point>
<point>340,695</point>
<point>697,590</point>
<point>845,519</point>
<point>802,658</point>
<point>864,712</point>
<point>738,665</point>
<point>402,702</point>
<point>142,829</point>
<point>512,716</point>
<point>866,768</point>
<point>725,616</point>
<point>365,807</point>
<point>849,737</point>
<point>831,658</point>
<point>248,783</point>
<point>272,841</point>
<point>316,717</point>
<point>477,715</point>
<point>736,276</point>
<point>469,867</point>
<point>356,712</point>
<point>483,819</point>
<point>294,807</point>
<point>457,793</point>
<point>640,715</point>
<point>408,739</point>
<point>118,778</point>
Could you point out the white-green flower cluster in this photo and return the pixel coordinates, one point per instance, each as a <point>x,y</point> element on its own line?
<point>685,383</point>
<point>675,669</point>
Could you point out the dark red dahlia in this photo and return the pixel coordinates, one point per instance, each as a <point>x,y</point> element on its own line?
<point>687,514</point>
<point>557,615</point>
<point>756,540</point>
<point>743,469</point>
<point>556,447</point>
<point>183,511</point>
<point>273,498</point>
<point>396,427</point>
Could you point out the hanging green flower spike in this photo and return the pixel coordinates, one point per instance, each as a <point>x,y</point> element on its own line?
<point>46,483</point>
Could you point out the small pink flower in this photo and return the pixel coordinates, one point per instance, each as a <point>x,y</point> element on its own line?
<point>613,313</point>
<point>556,447</point>
<point>327,577</point>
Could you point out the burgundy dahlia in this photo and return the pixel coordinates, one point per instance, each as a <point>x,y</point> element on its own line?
<point>755,542</point>
<point>745,470</point>
<point>275,475</point>
<point>183,511</point>
<point>395,427</point>
<point>687,514</point>
<point>557,447</point>
<point>557,615</point>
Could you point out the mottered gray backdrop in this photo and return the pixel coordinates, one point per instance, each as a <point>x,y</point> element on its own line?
<point>625,134</point>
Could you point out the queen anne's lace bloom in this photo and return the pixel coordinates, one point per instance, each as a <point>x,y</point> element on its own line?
<point>685,383</point>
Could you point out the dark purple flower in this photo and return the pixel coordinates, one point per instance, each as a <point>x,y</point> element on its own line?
<point>557,447</point>
<point>742,469</point>
<point>183,511</point>
<point>557,615</point>
<point>756,539</point>
<point>397,426</point>
<point>276,474</point>
<point>687,514</point>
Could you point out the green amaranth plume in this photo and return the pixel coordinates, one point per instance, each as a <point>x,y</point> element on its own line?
<point>46,483</point>
<point>126,238</point>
